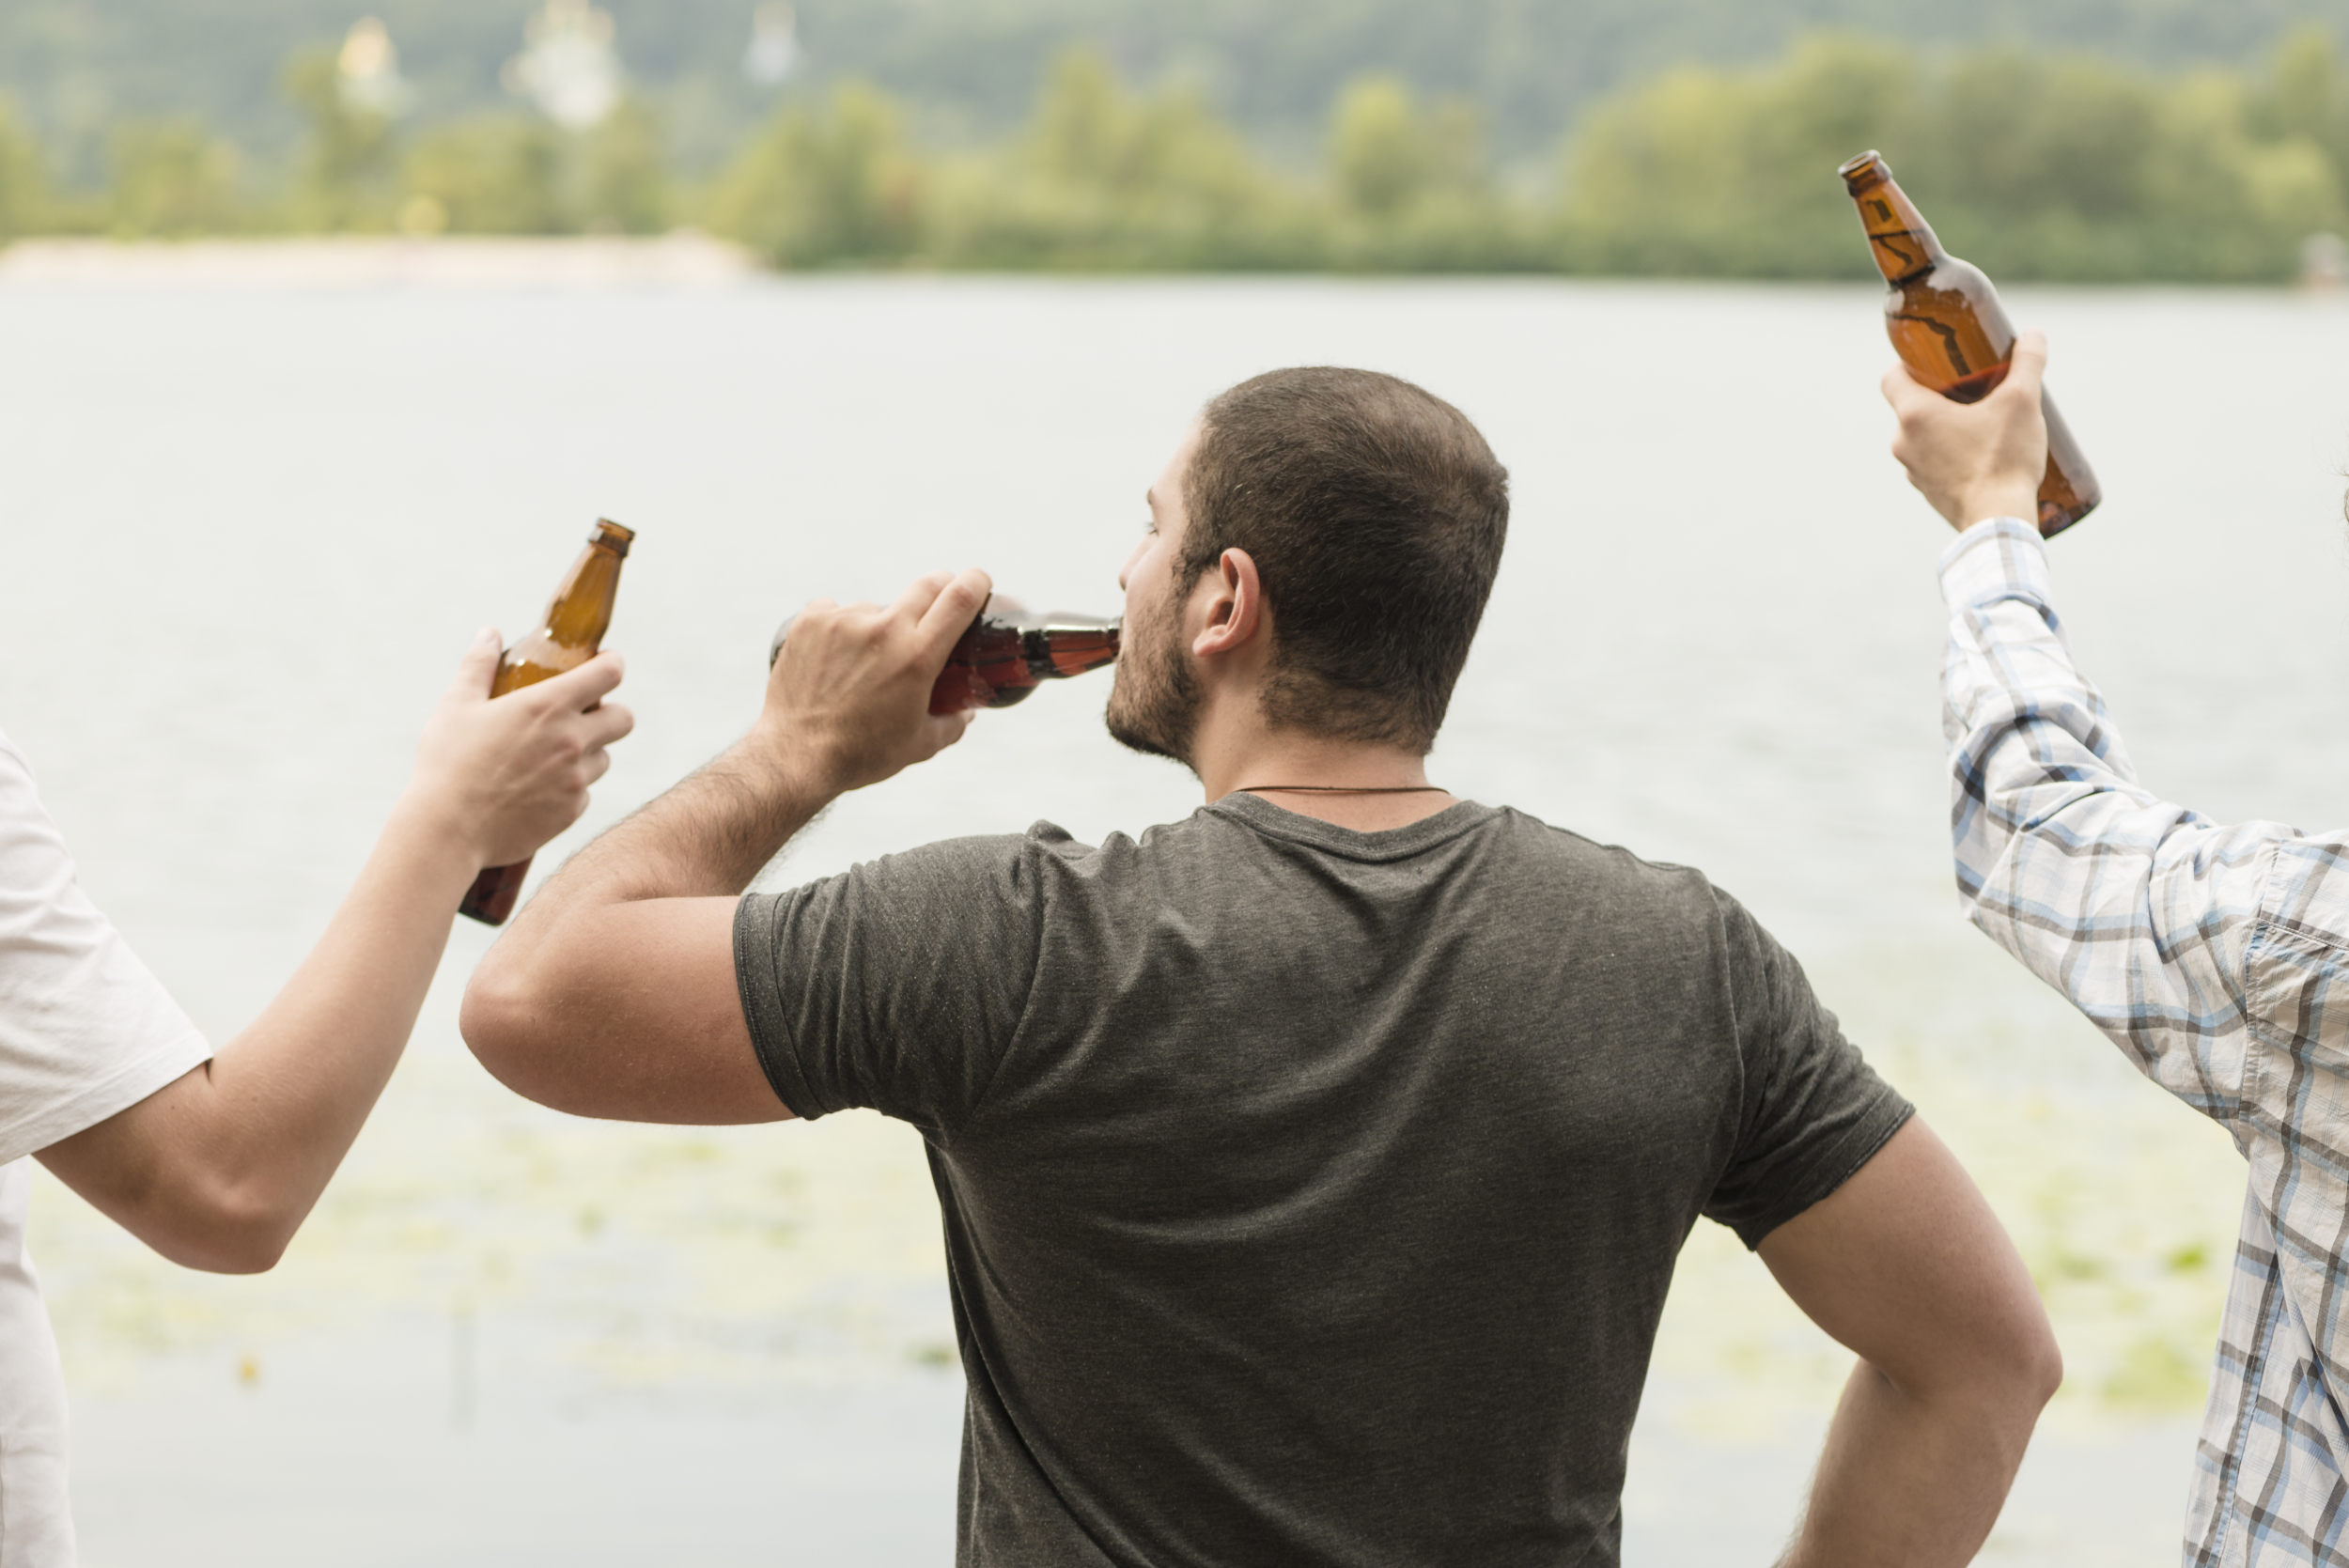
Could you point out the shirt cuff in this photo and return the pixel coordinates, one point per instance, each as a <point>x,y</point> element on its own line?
<point>1996,558</point>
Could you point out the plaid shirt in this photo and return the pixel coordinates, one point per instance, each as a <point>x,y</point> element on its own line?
<point>2218,959</point>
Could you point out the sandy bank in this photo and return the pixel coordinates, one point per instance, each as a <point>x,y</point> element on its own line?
<point>682,259</point>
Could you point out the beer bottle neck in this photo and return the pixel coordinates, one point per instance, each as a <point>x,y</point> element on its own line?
<point>582,610</point>
<point>1899,238</point>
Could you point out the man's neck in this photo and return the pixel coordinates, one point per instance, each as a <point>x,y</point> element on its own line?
<point>1366,787</point>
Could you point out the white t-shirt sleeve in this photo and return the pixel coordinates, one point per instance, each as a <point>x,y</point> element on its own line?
<point>86,1029</point>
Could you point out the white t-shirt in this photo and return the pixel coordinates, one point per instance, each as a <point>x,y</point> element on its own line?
<point>85,1030</point>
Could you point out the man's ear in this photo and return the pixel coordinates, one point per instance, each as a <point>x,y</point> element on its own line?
<point>1234,605</point>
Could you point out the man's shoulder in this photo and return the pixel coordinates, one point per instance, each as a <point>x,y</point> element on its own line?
<point>1632,884</point>
<point>1600,858</point>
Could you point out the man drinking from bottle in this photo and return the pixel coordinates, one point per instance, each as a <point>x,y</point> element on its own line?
<point>1311,1169</point>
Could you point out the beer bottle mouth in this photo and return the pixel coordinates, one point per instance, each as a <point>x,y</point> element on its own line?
<point>1864,172</point>
<point>612,533</point>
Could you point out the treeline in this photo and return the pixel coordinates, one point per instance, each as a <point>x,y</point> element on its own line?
<point>357,172</point>
<point>1532,68</point>
<point>2058,168</point>
<point>2064,169</point>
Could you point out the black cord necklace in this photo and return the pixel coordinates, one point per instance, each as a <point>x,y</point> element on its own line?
<point>1344,789</point>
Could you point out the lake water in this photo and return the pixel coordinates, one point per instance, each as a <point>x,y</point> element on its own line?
<point>248,529</point>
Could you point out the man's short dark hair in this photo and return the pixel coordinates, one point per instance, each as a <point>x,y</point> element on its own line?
<point>1375,514</point>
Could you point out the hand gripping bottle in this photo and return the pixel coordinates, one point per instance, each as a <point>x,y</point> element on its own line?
<point>1006,652</point>
<point>575,624</point>
<point>1946,323</point>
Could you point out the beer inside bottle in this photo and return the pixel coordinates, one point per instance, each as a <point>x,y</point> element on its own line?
<point>1946,323</point>
<point>576,621</point>
<point>1006,652</point>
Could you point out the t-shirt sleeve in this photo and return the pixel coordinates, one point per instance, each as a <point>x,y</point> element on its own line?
<point>897,986</point>
<point>85,1028</point>
<point>1813,1111</point>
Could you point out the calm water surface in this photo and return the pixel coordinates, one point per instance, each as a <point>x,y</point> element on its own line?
<point>248,532</point>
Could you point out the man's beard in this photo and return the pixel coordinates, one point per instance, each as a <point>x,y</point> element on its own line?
<point>1154,698</point>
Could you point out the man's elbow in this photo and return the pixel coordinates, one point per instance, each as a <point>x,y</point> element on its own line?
<point>2017,1351</point>
<point>510,1024</point>
<point>2009,1397</point>
<point>2038,1366</point>
<point>2010,1371</point>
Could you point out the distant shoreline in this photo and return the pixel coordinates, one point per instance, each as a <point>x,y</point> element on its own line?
<point>690,259</point>
<point>684,258</point>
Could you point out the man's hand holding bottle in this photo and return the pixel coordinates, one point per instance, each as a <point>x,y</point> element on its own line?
<point>848,698</point>
<point>1975,460</point>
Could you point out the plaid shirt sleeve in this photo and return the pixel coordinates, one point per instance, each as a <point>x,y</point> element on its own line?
<point>2211,956</point>
<point>2139,911</point>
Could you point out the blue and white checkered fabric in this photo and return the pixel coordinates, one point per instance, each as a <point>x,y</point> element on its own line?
<point>2218,959</point>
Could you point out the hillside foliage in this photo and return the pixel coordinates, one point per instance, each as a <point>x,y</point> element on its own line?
<point>973,69</point>
<point>2033,166</point>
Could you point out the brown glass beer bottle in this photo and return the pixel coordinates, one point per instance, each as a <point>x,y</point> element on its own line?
<point>1946,323</point>
<point>576,621</point>
<point>1006,652</point>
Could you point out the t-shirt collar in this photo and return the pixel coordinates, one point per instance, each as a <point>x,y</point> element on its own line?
<point>1392,843</point>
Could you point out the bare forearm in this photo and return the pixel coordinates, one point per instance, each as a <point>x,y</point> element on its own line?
<point>310,1068</point>
<point>846,705</point>
<point>1906,1264</point>
<point>707,837</point>
<point>218,1169</point>
<point>1908,1481</point>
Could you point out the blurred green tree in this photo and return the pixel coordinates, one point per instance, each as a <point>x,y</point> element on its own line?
<point>1705,172</point>
<point>1103,178</point>
<point>1382,157</point>
<point>348,159</point>
<point>2306,100</point>
<point>1411,187</point>
<point>492,174</point>
<point>2306,96</point>
<point>171,179</point>
<point>836,182</point>
<point>24,188</point>
<point>1085,126</point>
<point>626,173</point>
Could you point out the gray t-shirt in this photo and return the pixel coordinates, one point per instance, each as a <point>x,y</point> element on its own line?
<point>1309,1195</point>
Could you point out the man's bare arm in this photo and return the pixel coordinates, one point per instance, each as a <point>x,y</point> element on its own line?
<point>219,1168</point>
<point>612,993</point>
<point>1905,1264</point>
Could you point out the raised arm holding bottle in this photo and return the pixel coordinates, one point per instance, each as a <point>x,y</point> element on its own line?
<point>2214,957</point>
<point>214,1157</point>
